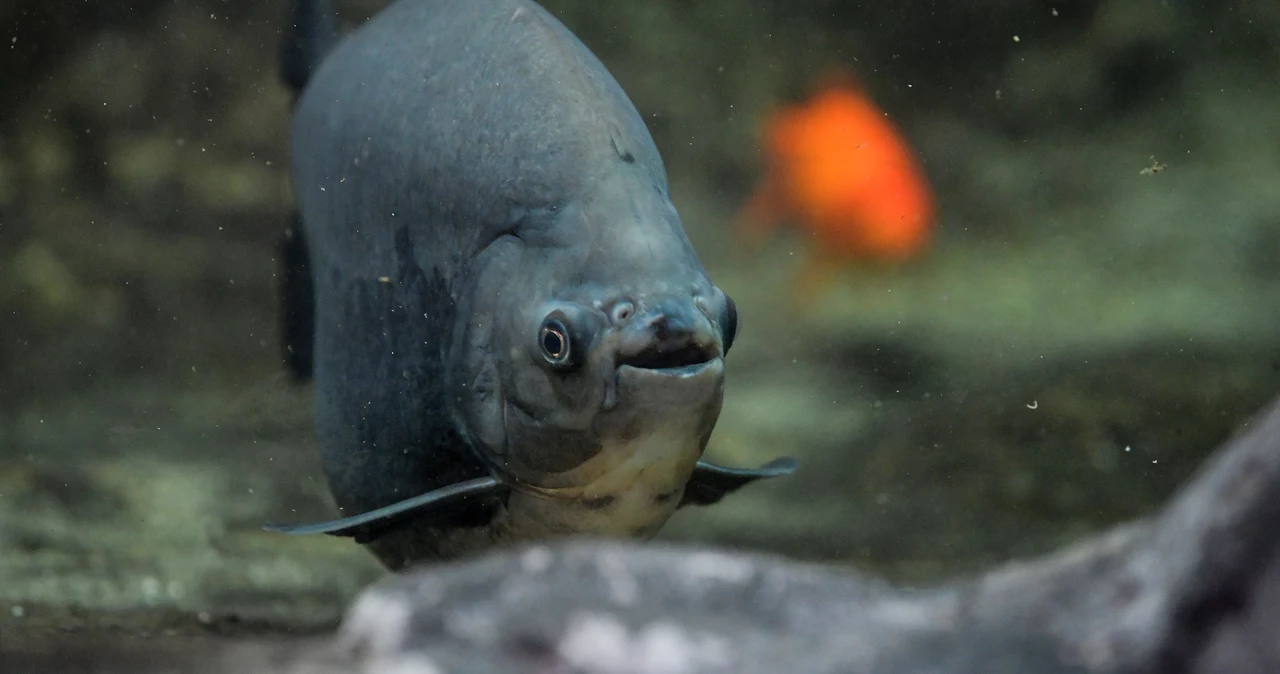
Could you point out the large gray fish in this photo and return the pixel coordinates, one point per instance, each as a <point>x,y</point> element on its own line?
<point>510,334</point>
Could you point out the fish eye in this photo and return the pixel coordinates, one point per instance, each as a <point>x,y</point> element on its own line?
<point>565,334</point>
<point>729,325</point>
<point>554,340</point>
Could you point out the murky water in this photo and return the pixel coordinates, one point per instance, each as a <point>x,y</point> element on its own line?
<point>1081,332</point>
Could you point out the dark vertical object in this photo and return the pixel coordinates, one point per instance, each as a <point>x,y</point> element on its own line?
<point>313,31</point>
<point>298,298</point>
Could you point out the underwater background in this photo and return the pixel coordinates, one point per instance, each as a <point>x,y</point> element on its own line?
<point>1098,306</point>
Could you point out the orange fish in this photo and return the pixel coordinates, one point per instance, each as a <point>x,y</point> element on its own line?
<point>836,167</point>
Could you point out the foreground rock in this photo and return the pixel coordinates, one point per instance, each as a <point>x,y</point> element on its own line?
<point>1193,589</point>
<point>1196,588</point>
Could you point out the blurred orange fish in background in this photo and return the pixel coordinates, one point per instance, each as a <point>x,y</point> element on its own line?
<point>837,168</point>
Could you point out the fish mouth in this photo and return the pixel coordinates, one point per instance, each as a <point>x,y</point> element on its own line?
<point>686,359</point>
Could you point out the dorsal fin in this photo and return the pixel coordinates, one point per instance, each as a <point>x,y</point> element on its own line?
<point>312,33</point>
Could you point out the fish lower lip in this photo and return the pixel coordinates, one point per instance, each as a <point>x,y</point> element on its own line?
<point>673,371</point>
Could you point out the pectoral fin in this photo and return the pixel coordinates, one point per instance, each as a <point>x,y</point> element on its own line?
<point>361,526</point>
<point>710,482</point>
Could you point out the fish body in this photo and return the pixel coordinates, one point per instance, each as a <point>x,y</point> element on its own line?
<point>838,169</point>
<point>510,335</point>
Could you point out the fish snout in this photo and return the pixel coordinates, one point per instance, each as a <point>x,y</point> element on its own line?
<point>671,333</point>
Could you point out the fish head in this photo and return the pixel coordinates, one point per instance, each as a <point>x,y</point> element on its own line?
<point>590,362</point>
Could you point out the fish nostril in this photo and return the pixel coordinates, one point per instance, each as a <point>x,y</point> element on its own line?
<point>622,311</point>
